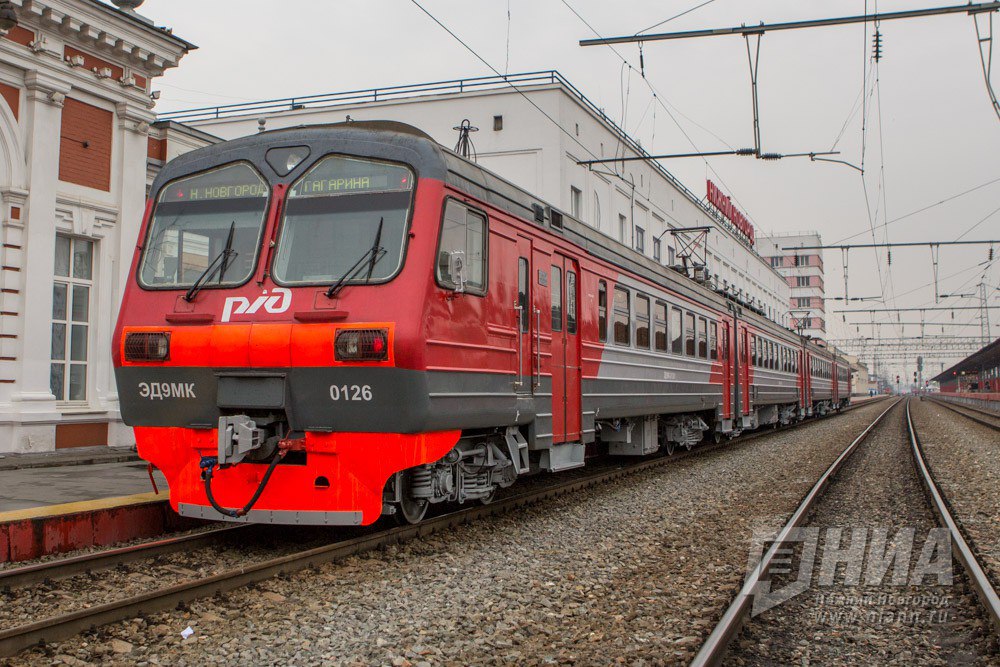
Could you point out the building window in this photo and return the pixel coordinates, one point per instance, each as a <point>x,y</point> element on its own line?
<point>622,225</point>
<point>622,333</point>
<point>576,202</point>
<point>597,211</point>
<point>802,281</point>
<point>640,239</point>
<point>642,321</point>
<point>776,261</point>
<point>656,249</point>
<point>802,302</point>
<point>74,271</point>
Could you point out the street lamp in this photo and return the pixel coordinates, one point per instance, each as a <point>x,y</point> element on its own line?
<point>8,15</point>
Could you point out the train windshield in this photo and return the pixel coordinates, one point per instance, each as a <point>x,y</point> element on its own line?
<point>339,211</point>
<point>201,218</point>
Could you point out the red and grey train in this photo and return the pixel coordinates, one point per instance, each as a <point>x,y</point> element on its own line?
<point>327,324</point>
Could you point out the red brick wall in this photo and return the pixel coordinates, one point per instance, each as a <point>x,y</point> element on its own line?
<point>85,145</point>
<point>93,62</point>
<point>20,35</point>
<point>157,149</point>
<point>12,96</point>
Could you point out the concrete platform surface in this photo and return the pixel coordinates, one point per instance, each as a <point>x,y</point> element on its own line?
<point>67,457</point>
<point>57,485</point>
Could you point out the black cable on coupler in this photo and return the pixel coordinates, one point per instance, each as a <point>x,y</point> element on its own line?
<point>208,465</point>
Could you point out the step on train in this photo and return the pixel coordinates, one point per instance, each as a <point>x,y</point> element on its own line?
<point>327,324</point>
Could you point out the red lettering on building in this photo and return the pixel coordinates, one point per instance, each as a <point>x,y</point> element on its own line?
<point>729,211</point>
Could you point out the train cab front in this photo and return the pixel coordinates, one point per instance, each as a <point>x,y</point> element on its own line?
<point>259,352</point>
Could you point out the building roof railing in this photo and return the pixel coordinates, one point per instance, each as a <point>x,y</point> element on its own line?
<point>451,86</point>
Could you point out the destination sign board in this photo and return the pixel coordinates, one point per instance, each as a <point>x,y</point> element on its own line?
<point>339,176</point>
<point>233,182</point>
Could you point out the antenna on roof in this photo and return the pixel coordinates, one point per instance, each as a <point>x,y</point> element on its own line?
<point>465,147</point>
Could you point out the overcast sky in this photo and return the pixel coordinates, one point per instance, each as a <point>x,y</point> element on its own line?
<point>938,136</point>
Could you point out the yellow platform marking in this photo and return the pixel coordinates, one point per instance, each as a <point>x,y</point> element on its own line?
<point>82,506</point>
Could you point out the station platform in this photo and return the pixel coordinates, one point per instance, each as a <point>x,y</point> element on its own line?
<point>61,501</point>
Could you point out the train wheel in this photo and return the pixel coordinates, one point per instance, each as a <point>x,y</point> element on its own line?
<point>490,498</point>
<point>411,510</point>
<point>717,437</point>
<point>669,447</point>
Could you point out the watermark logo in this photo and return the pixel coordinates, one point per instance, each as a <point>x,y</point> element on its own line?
<point>823,558</point>
<point>278,301</point>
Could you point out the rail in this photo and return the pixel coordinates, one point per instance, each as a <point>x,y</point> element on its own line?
<point>960,548</point>
<point>714,649</point>
<point>992,420</point>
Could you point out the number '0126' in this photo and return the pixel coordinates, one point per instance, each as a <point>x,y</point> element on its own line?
<point>353,392</point>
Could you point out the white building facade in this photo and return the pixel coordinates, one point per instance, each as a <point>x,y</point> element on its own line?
<point>75,115</point>
<point>803,270</point>
<point>635,203</point>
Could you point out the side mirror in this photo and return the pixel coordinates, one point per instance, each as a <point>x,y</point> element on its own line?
<point>456,269</point>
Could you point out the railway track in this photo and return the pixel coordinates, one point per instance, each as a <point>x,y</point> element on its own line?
<point>984,417</point>
<point>65,625</point>
<point>716,647</point>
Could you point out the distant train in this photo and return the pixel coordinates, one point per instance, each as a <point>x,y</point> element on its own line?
<point>327,324</point>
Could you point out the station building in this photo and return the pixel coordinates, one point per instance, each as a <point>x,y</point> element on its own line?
<point>75,116</point>
<point>535,136</point>
<point>803,271</point>
<point>979,373</point>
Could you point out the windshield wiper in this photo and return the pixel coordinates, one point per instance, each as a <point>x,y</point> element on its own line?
<point>373,254</point>
<point>221,261</point>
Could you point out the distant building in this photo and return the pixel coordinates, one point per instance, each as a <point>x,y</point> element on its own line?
<point>635,203</point>
<point>861,380</point>
<point>977,373</point>
<point>75,115</point>
<point>803,271</point>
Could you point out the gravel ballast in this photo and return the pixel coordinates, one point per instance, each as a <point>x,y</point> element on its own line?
<point>873,620</point>
<point>635,571</point>
<point>965,459</point>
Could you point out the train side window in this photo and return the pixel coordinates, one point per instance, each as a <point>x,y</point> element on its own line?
<point>462,250</point>
<point>522,292</point>
<point>702,338</point>
<point>676,331</point>
<point>713,340</point>
<point>602,311</point>
<point>660,326</point>
<point>774,356</point>
<point>642,321</point>
<point>689,334</point>
<point>571,302</point>
<point>753,349</point>
<point>557,293</point>
<point>622,325</point>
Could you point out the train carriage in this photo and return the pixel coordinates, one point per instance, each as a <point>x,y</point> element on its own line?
<point>327,324</point>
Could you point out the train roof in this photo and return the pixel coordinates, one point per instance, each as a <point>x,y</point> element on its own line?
<point>396,141</point>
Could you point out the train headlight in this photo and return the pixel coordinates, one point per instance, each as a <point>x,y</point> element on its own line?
<point>146,346</point>
<point>362,345</point>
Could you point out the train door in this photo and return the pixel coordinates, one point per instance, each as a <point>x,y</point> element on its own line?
<point>725,360</point>
<point>527,321</point>
<point>565,290</point>
<point>744,352</point>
